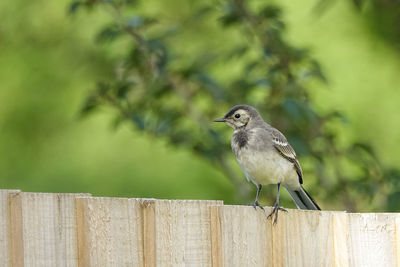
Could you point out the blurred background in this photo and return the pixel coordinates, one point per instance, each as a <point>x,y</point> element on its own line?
<point>116,98</point>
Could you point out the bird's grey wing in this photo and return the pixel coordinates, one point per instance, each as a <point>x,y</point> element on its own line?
<point>283,147</point>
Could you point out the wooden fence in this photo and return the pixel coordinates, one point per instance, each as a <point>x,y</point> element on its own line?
<point>43,229</point>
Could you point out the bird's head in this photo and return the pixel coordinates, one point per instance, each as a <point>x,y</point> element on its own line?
<point>240,117</point>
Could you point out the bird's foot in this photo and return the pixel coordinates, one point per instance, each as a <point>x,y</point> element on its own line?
<point>274,212</point>
<point>256,204</point>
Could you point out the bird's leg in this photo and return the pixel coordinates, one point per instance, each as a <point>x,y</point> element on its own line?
<point>276,207</point>
<point>256,204</point>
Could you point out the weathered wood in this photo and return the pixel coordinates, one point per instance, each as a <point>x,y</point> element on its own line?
<point>243,236</point>
<point>397,224</point>
<point>5,229</point>
<point>339,234</point>
<point>46,223</point>
<point>300,238</point>
<point>149,232</point>
<point>372,239</point>
<point>16,240</point>
<point>217,253</point>
<point>144,232</point>
<point>38,229</point>
<point>110,232</point>
<point>183,236</point>
<point>308,238</point>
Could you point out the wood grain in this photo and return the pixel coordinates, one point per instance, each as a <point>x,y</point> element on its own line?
<point>217,253</point>
<point>183,236</point>
<point>42,229</point>
<point>244,236</point>
<point>16,239</point>
<point>149,232</point>
<point>308,238</point>
<point>340,256</point>
<point>144,232</point>
<point>300,238</point>
<point>372,239</point>
<point>397,237</point>
<point>5,228</point>
<point>110,232</point>
<point>46,224</point>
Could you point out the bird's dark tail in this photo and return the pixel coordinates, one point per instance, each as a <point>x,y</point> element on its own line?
<point>303,200</point>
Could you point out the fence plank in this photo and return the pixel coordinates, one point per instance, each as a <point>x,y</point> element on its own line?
<point>110,232</point>
<point>149,233</point>
<point>183,236</point>
<point>397,224</point>
<point>308,238</point>
<point>245,236</point>
<point>47,224</point>
<point>300,238</point>
<point>5,250</point>
<point>216,237</point>
<point>372,238</point>
<point>144,232</point>
<point>16,234</point>
<point>38,229</point>
<point>339,234</point>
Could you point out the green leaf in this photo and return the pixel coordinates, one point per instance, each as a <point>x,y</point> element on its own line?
<point>123,89</point>
<point>138,121</point>
<point>216,90</point>
<point>74,6</point>
<point>230,19</point>
<point>292,109</point>
<point>108,34</point>
<point>271,12</point>
<point>89,105</point>
<point>317,71</point>
<point>135,21</point>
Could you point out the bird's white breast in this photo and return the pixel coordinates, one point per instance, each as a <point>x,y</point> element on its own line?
<point>267,167</point>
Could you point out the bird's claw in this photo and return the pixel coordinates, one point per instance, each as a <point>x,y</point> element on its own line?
<point>256,204</point>
<point>274,212</point>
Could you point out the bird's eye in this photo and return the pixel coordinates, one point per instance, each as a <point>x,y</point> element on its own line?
<point>237,116</point>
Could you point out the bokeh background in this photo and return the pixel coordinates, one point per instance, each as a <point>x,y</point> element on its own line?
<point>62,63</point>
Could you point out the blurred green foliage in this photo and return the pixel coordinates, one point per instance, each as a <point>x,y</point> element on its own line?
<point>46,70</point>
<point>49,61</point>
<point>381,16</point>
<point>171,93</point>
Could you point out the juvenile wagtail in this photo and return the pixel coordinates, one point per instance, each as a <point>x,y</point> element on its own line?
<point>266,157</point>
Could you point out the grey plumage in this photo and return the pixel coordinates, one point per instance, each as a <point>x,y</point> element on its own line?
<point>303,200</point>
<point>265,156</point>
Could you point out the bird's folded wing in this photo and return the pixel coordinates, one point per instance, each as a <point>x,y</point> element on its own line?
<point>284,148</point>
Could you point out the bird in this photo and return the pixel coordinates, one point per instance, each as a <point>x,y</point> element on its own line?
<point>266,157</point>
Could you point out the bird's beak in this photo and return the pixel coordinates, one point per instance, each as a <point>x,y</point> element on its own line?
<point>219,120</point>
